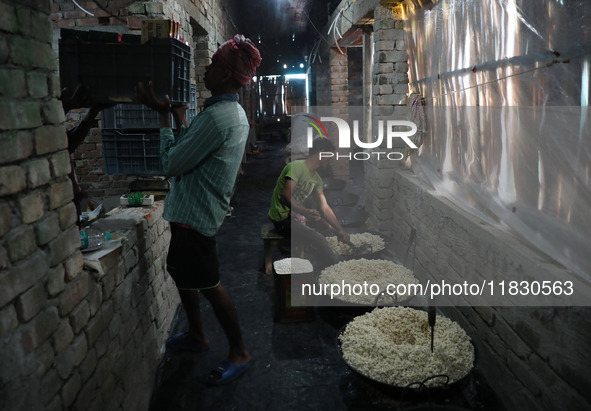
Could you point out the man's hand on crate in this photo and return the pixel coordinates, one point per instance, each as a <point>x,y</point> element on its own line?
<point>81,98</point>
<point>146,96</point>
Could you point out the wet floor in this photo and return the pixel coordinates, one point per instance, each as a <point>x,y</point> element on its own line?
<point>295,366</point>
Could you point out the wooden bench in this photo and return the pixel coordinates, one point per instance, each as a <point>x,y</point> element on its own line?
<point>272,239</point>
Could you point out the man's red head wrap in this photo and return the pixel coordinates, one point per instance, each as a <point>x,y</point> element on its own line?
<point>240,56</point>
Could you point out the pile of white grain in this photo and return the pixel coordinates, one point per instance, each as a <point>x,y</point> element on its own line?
<point>375,242</point>
<point>292,266</point>
<point>382,273</point>
<point>393,345</point>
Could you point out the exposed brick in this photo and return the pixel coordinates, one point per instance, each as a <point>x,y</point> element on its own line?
<point>37,84</point>
<point>73,266</point>
<point>12,180</point>
<point>87,395</point>
<point>44,356</point>
<point>43,30</point>
<point>15,146</point>
<point>12,83</point>
<point>87,22</point>
<point>48,228</point>
<point>38,173</point>
<point>5,216</point>
<point>60,194</point>
<point>21,277</point>
<point>68,215</point>
<point>79,316</point>
<point>137,8</point>
<point>95,298</point>
<point>31,302</point>
<point>32,207</point>
<point>4,50</point>
<point>54,86</point>
<point>401,67</point>
<point>21,243</point>
<point>56,280</point>
<point>64,245</point>
<point>391,99</point>
<point>20,115</point>
<point>154,8</point>
<point>62,337</point>
<point>32,53</point>
<point>50,385</point>
<point>39,329</point>
<point>8,20</point>
<point>134,22</point>
<point>74,293</point>
<point>88,365</point>
<point>52,112</point>
<point>55,404</point>
<point>8,320</point>
<point>49,139</point>
<point>70,389</point>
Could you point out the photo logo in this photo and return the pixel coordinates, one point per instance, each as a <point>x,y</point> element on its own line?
<point>317,125</point>
<point>387,130</point>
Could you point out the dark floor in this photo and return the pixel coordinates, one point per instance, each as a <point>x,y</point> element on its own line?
<point>295,366</point>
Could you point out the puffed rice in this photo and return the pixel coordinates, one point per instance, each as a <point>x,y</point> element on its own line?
<point>382,273</point>
<point>392,345</point>
<point>375,242</point>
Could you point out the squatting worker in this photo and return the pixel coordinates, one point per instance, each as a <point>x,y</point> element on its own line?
<point>203,160</point>
<point>298,180</point>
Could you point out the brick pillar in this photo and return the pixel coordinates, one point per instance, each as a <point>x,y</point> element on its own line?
<point>389,99</point>
<point>339,99</point>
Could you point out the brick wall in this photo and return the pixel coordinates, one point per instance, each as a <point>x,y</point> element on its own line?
<point>69,338</point>
<point>535,358</point>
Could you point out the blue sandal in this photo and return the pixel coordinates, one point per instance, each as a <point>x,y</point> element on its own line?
<point>182,342</point>
<point>228,372</point>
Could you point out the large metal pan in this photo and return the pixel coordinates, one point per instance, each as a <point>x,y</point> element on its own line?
<point>414,391</point>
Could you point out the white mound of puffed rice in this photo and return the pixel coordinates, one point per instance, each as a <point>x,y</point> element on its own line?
<point>375,241</point>
<point>292,266</point>
<point>377,274</point>
<point>392,345</point>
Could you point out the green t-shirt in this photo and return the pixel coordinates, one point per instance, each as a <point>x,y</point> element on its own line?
<point>306,184</point>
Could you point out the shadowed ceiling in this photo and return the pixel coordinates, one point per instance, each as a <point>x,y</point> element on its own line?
<point>283,30</point>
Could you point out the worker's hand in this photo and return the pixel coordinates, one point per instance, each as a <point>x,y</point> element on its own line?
<point>81,98</point>
<point>344,237</point>
<point>313,214</point>
<point>145,95</point>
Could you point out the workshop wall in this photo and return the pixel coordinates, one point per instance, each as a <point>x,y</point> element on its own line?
<point>71,337</point>
<point>204,25</point>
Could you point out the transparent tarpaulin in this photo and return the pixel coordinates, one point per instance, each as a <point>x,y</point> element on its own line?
<point>507,129</point>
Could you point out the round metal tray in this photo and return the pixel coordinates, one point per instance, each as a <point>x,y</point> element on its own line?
<point>330,183</point>
<point>350,216</point>
<point>341,198</point>
<point>414,391</point>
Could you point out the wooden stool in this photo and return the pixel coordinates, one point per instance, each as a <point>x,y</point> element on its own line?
<point>271,238</point>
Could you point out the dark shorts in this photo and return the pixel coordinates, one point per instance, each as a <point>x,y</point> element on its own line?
<point>192,259</point>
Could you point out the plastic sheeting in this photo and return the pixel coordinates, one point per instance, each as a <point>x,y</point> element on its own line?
<point>507,129</point>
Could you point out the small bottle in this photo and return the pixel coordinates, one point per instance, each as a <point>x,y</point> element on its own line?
<point>83,239</point>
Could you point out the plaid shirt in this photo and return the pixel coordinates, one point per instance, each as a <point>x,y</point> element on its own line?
<point>204,160</point>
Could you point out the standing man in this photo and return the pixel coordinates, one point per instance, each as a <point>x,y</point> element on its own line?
<point>203,160</point>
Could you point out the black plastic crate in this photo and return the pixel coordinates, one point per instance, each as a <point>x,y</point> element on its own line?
<point>138,116</point>
<point>112,69</point>
<point>132,153</point>
<point>130,116</point>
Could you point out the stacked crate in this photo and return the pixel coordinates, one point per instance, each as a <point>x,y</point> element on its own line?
<point>111,66</point>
